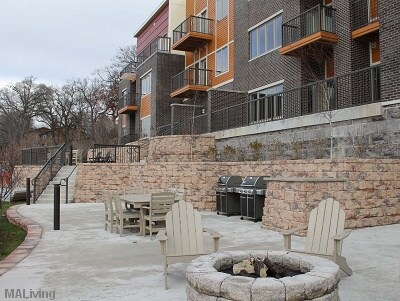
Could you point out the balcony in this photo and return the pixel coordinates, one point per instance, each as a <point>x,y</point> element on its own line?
<point>365,21</point>
<point>159,44</point>
<point>314,26</point>
<point>129,72</point>
<point>186,83</point>
<point>128,103</point>
<point>193,33</point>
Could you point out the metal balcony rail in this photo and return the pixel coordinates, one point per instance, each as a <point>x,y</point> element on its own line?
<point>130,68</point>
<point>193,24</point>
<point>364,12</point>
<point>316,19</point>
<point>191,77</point>
<point>193,126</point>
<point>128,99</point>
<point>102,153</point>
<point>38,155</point>
<point>159,44</point>
<point>349,90</point>
<point>48,172</point>
<point>129,138</point>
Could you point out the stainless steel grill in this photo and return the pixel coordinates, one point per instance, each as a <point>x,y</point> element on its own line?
<point>252,195</point>
<point>228,202</point>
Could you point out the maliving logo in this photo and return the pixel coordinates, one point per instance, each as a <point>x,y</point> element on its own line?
<point>16,293</point>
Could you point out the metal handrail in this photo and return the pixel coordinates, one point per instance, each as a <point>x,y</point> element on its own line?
<point>315,19</point>
<point>193,24</point>
<point>191,76</point>
<point>66,179</point>
<point>48,167</point>
<point>159,44</point>
<point>130,68</point>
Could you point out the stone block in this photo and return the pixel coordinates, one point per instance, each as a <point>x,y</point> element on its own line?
<point>237,288</point>
<point>294,287</point>
<point>268,289</point>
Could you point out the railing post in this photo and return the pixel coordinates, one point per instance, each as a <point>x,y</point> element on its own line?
<point>28,191</point>
<point>34,190</point>
<point>66,190</point>
<point>70,155</point>
<point>56,206</point>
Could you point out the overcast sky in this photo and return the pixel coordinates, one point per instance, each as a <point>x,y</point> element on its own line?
<point>57,40</point>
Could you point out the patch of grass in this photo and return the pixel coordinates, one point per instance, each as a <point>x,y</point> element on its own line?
<point>11,236</point>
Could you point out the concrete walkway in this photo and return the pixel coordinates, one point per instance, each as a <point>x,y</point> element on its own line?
<point>84,262</point>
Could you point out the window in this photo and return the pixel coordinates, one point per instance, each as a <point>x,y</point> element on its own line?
<point>222,9</point>
<point>266,37</point>
<point>266,104</point>
<point>145,83</point>
<point>145,125</point>
<point>222,60</point>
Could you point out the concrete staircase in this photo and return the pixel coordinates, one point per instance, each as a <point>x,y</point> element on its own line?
<point>48,194</point>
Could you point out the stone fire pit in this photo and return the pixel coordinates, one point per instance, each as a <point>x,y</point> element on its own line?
<point>318,280</point>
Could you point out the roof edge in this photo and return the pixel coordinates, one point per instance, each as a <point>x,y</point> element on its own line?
<point>151,18</point>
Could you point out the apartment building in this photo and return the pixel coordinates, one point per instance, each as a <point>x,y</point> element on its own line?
<point>283,70</point>
<point>145,103</point>
<point>302,64</point>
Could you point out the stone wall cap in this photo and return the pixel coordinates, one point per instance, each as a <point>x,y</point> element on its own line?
<point>306,179</point>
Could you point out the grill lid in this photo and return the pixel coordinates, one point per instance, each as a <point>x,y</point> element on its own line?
<point>229,181</point>
<point>254,182</point>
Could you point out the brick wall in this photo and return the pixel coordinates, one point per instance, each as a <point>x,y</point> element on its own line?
<point>369,194</point>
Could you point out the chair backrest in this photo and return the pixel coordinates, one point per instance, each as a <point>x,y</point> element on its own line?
<point>162,201</point>
<point>107,202</point>
<point>116,203</point>
<point>326,221</point>
<point>184,230</point>
<point>179,193</point>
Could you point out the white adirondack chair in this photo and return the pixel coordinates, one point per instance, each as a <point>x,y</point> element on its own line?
<point>182,240</point>
<point>325,233</point>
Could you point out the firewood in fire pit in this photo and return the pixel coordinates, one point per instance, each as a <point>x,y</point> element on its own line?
<point>260,268</point>
<point>254,266</point>
<point>244,266</point>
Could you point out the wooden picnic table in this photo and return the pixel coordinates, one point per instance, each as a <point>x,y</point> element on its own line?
<point>136,201</point>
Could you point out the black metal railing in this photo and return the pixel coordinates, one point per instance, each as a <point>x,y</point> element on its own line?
<point>38,155</point>
<point>103,153</point>
<point>193,126</point>
<point>48,172</point>
<point>349,90</point>
<point>129,138</point>
<point>316,19</point>
<point>128,99</point>
<point>159,44</point>
<point>130,68</point>
<point>193,24</point>
<point>363,12</point>
<point>191,77</point>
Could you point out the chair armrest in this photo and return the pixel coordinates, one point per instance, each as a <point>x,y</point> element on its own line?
<point>214,234</point>
<point>294,230</point>
<point>161,236</point>
<point>342,236</point>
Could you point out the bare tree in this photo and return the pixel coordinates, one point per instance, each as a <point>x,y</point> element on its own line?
<point>317,60</point>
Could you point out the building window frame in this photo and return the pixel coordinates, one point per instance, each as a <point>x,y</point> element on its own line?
<point>225,61</point>
<point>266,103</point>
<point>255,35</point>
<point>145,83</point>
<point>222,9</point>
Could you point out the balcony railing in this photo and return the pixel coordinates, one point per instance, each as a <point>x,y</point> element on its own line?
<point>319,19</point>
<point>189,80</point>
<point>192,33</point>
<point>159,44</point>
<point>128,70</point>
<point>365,17</point>
<point>128,102</point>
<point>353,89</point>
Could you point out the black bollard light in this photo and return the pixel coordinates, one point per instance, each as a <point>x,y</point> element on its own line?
<point>28,191</point>
<point>56,206</point>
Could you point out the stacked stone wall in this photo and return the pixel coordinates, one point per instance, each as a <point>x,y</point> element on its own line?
<point>26,171</point>
<point>368,190</point>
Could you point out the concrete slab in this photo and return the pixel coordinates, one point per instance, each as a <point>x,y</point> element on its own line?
<point>84,262</point>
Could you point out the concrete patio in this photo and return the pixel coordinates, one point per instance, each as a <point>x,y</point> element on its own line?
<point>84,262</point>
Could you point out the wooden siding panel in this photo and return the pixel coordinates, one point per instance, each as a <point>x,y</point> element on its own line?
<point>200,6</point>
<point>145,106</point>
<point>221,33</point>
<point>231,20</point>
<point>189,7</point>
<point>159,27</point>
<point>227,75</point>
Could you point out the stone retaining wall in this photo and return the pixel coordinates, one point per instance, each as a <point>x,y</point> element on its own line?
<point>26,171</point>
<point>369,192</point>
